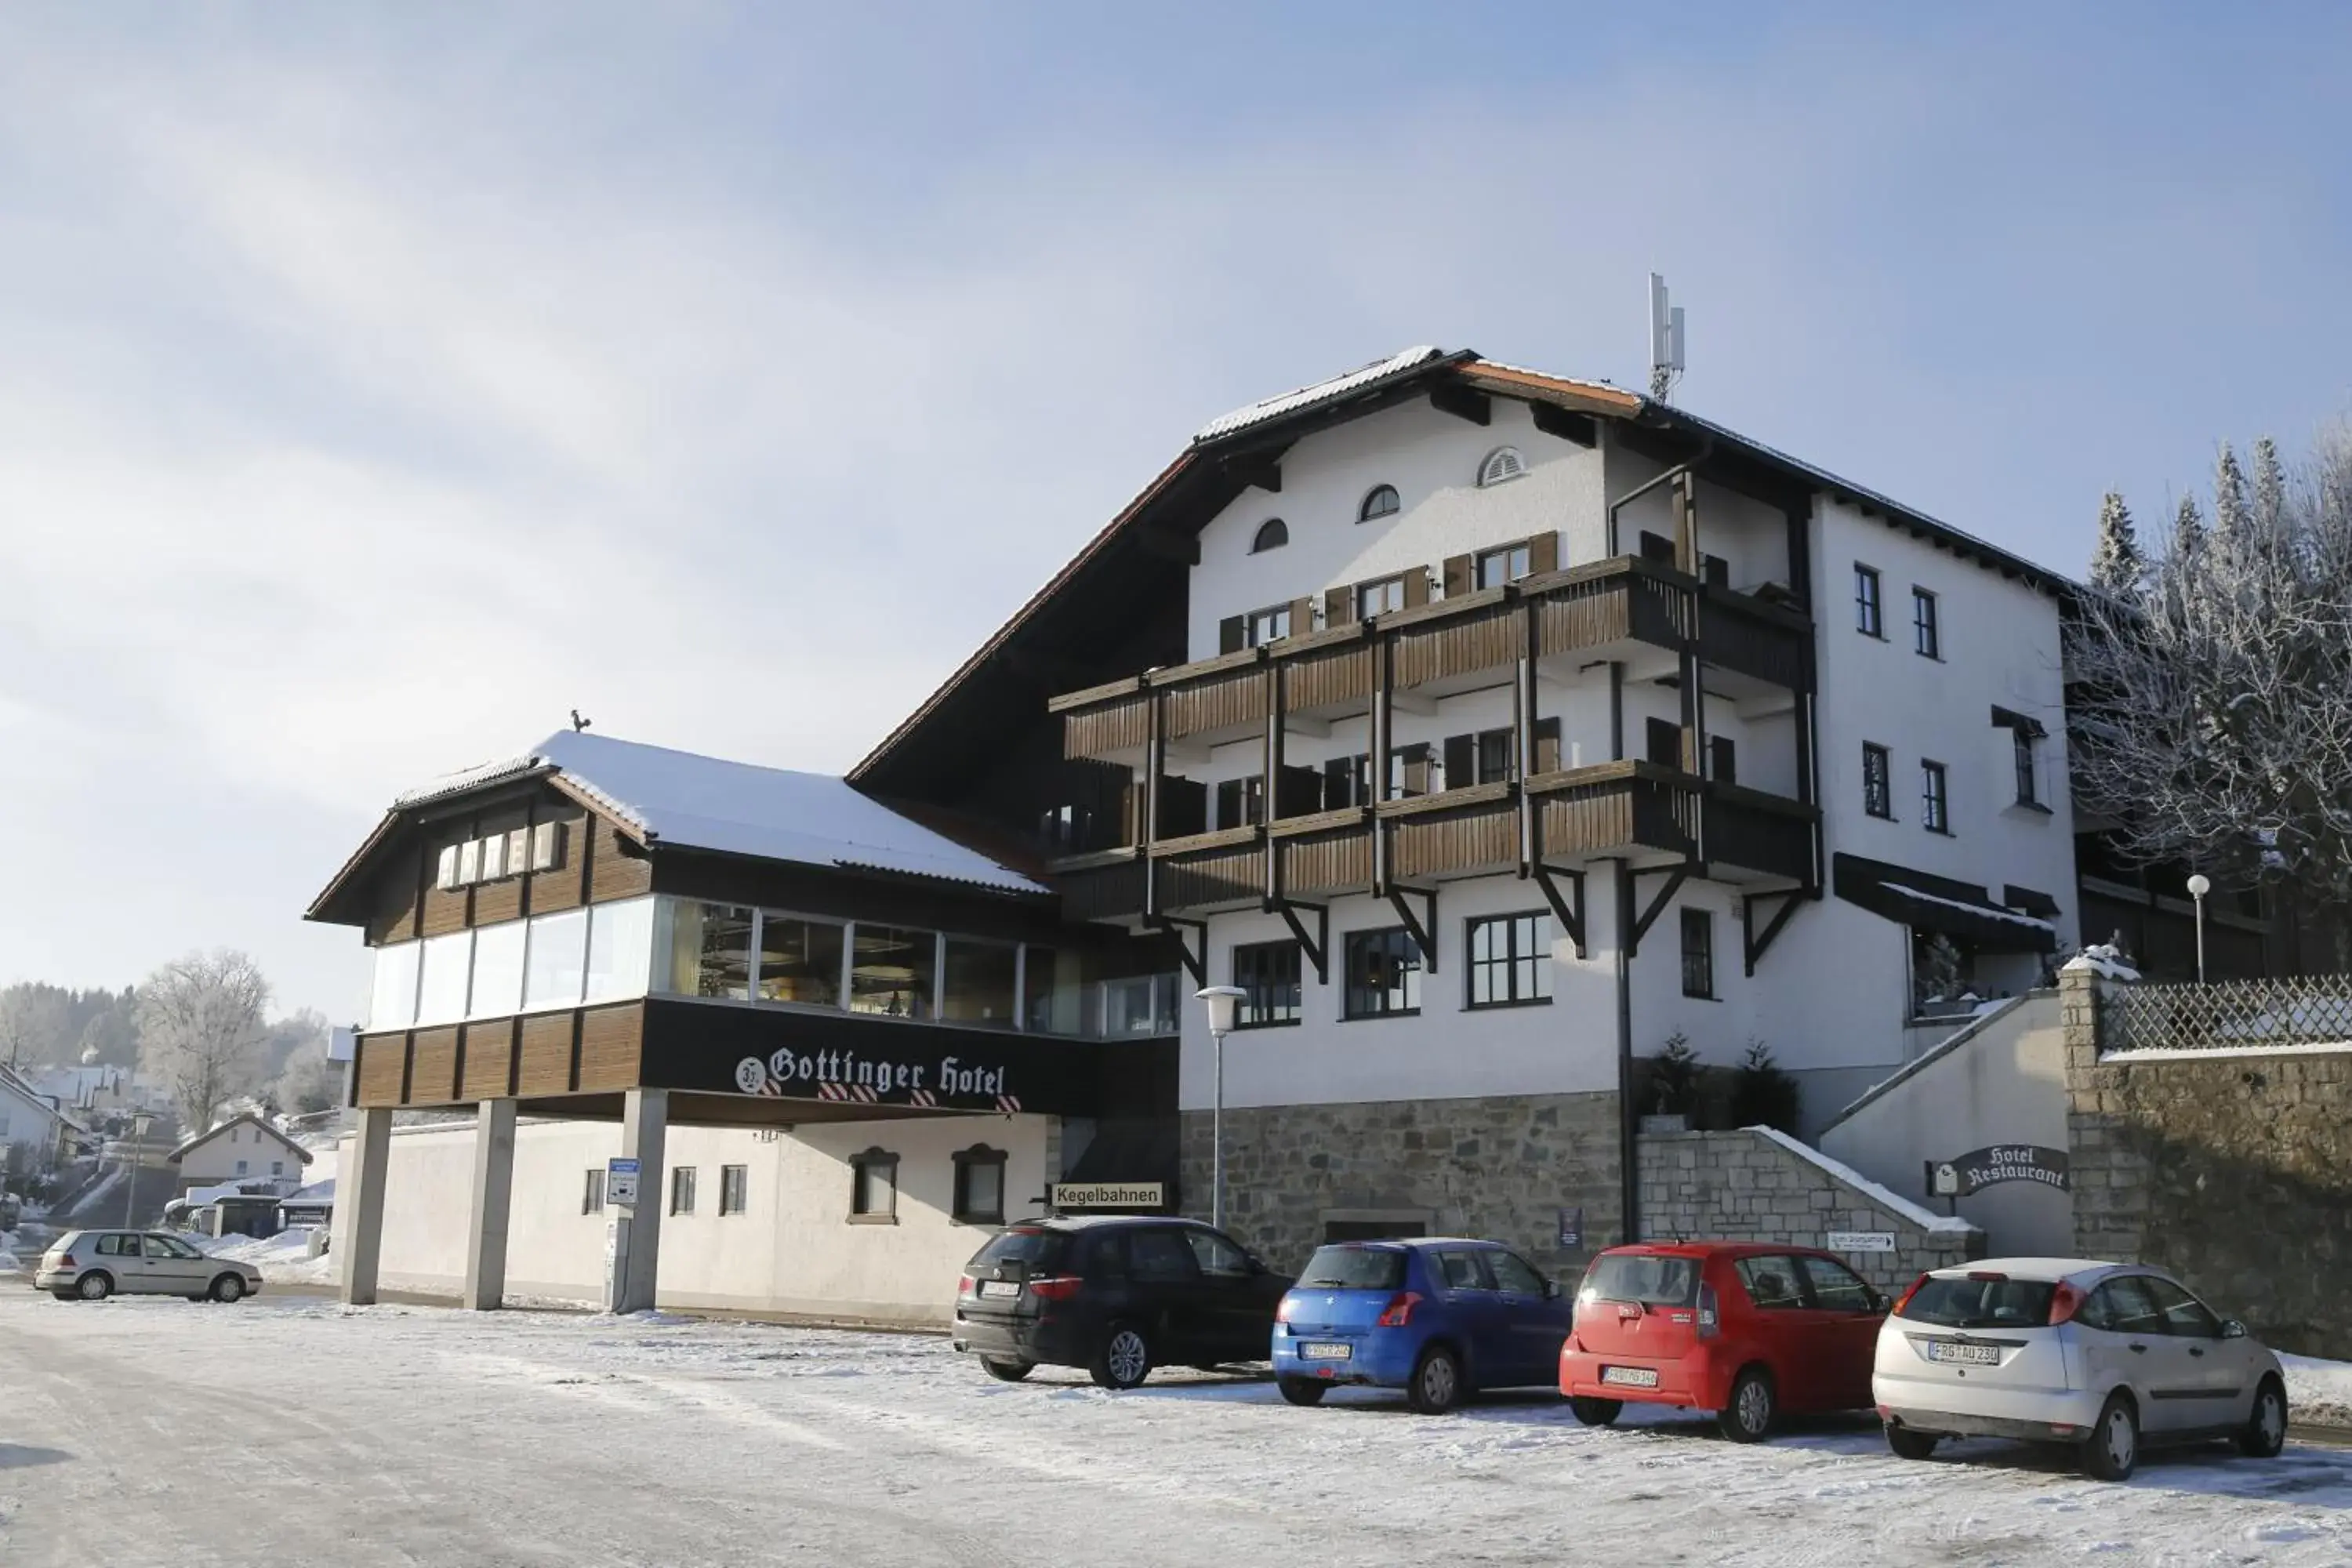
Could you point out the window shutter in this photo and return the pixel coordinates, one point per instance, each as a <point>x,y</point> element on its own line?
<point>1657,547</point>
<point>1229,805</point>
<point>1665,744</point>
<point>1546,746</point>
<point>1543,553</point>
<point>1339,606</point>
<point>1416,768</point>
<point>1416,586</point>
<point>1302,618</point>
<point>1461,760</point>
<point>1458,569</point>
<point>1229,635</point>
<point>1726,759</point>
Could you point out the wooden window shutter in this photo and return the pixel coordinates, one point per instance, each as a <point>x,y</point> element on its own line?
<point>1302,618</point>
<point>1458,570</point>
<point>1339,606</point>
<point>1416,768</point>
<point>1416,586</point>
<point>1543,553</point>
<point>1723,759</point>
<point>1461,760</point>
<point>1547,745</point>
<point>1665,742</point>
<point>1230,635</point>
<point>1229,805</point>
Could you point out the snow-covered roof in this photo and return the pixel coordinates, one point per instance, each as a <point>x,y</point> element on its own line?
<point>694,802</point>
<point>316,1192</point>
<point>1319,392</point>
<point>247,1119</point>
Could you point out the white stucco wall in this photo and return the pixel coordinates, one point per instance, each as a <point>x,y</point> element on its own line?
<point>793,1249</point>
<point>2004,1083</point>
<point>215,1160</point>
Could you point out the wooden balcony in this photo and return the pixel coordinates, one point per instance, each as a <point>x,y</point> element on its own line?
<point>1632,809</point>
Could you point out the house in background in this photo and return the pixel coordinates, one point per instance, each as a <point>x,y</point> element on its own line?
<point>37,1135</point>
<point>244,1150</point>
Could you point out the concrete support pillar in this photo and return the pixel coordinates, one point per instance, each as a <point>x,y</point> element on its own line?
<point>485,1246</point>
<point>359,1202</point>
<point>636,1241</point>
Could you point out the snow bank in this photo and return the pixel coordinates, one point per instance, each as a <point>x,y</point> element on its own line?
<point>2318,1391</point>
<point>2101,958</point>
<point>2199,1052</point>
<point>284,1257</point>
<point>9,1263</point>
<point>1924,1218</point>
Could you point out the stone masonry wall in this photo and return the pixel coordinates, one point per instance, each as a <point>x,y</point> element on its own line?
<point>1501,1167</point>
<point>2234,1171</point>
<point>1748,1187</point>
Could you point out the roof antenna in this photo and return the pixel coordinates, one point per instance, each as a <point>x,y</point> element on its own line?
<point>1665,340</point>
<point>578,723</point>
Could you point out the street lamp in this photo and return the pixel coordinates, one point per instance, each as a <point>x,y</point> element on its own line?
<point>139,1126</point>
<point>1221,1002</point>
<point>2199,886</point>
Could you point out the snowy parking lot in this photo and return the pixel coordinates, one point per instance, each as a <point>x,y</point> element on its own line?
<point>290,1430</point>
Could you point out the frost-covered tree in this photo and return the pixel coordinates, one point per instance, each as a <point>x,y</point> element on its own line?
<point>2213,706</point>
<point>2116,564</point>
<point>201,1029</point>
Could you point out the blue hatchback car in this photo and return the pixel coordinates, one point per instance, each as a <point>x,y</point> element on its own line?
<point>1435,1316</point>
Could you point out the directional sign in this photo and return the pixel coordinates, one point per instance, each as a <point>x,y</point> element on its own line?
<point>620,1182</point>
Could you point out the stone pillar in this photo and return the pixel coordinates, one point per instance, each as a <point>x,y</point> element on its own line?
<point>486,1242</point>
<point>359,1202</point>
<point>644,1136</point>
<point>2107,1171</point>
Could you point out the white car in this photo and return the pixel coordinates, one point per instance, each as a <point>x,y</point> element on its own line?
<point>2105,1356</point>
<point>91,1264</point>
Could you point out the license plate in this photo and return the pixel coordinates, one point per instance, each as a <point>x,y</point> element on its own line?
<point>1631,1376</point>
<point>1974,1355</point>
<point>1316,1351</point>
<point>998,1289</point>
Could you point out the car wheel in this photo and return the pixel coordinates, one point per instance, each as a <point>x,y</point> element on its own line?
<point>1008,1370</point>
<point>1595,1412</point>
<point>94,1285</point>
<point>1910,1445</point>
<point>229,1288</point>
<point>2113,1452</point>
<point>1436,1386</point>
<point>1302,1390</point>
<point>2266,1432</point>
<point>1748,1417</point>
<point>1124,1361</point>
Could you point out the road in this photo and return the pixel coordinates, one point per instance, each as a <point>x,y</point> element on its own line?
<point>294,1431</point>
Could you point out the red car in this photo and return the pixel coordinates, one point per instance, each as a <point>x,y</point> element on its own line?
<point>1744,1328</point>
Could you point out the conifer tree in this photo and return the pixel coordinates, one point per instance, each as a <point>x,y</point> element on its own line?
<point>2115,562</point>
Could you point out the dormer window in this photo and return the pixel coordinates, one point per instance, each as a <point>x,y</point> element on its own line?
<point>1502,463</point>
<point>1272,534</point>
<point>1380,502</point>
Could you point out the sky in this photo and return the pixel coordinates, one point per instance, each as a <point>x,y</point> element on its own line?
<point>380,383</point>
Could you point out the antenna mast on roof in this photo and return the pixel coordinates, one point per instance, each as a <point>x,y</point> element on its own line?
<point>1665,340</point>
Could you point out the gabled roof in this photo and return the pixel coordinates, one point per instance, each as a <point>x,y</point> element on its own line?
<point>247,1119</point>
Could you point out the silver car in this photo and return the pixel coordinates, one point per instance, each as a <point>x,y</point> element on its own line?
<point>91,1264</point>
<point>2106,1357</point>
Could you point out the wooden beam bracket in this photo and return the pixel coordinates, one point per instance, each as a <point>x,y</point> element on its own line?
<point>1194,960</point>
<point>1675,876</point>
<point>1266,473</point>
<point>1566,424</point>
<point>1422,928</point>
<point>1754,941</point>
<point>1318,948</point>
<point>1463,403</point>
<point>1567,908</point>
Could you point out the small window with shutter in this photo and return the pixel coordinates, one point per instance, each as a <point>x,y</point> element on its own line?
<point>1461,761</point>
<point>1547,745</point>
<point>1502,464</point>
<point>1380,598</point>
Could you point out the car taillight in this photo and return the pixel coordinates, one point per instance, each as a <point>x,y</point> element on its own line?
<point>1282,1313</point>
<point>66,1262</point>
<point>1398,1314</point>
<point>1060,1288</point>
<point>1905,1300</point>
<point>2064,1302</point>
<point>966,1285</point>
<point>1709,1319</point>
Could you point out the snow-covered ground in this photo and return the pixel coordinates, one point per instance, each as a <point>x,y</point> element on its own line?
<point>294,1430</point>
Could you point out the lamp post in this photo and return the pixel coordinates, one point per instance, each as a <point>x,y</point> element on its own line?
<point>2199,886</point>
<point>139,1126</point>
<point>1221,1002</point>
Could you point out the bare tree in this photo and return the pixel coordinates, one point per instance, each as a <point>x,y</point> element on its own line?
<point>201,1029</point>
<point>33,1024</point>
<point>2213,703</point>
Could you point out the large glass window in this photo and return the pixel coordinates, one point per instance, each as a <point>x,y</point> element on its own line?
<point>559,955</point>
<point>1510,960</point>
<point>800,961</point>
<point>1268,971</point>
<point>892,970</point>
<point>441,993</point>
<point>620,949</point>
<point>1050,993</point>
<point>723,951</point>
<point>392,1005</point>
<point>980,977</point>
<point>1383,973</point>
<point>498,970</point>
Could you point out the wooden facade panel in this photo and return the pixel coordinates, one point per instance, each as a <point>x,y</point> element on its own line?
<point>1588,615</point>
<point>1662,613</point>
<point>433,1068</point>
<point>381,1068</point>
<point>560,889</point>
<point>1740,833</point>
<point>611,1046</point>
<point>490,1060</point>
<point>1217,702</point>
<point>1752,645</point>
<point>1448,841</point>
<point>1212,877</point>
<point>1487,641</point>
<point>617,871</point>
<point>497,901</point>
<point>1327,862</point>
<point>546,1064</point>
<point>1119,726</point>
<point>1323,679</point>
<point>1102,892</point>
<point>1588,820</point>
<point>445,909</point>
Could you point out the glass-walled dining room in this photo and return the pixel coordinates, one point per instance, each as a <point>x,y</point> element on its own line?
<point>664,946</point>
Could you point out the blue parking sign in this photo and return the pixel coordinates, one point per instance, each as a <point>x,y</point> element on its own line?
<point>1572,1227</point>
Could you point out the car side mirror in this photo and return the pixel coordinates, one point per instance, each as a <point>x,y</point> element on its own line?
<point>1879,1303</point>
<point>1551,1290</point>
<point>2234,1330</point>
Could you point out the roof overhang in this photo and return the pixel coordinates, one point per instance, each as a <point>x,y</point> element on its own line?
<point>1924,901</point>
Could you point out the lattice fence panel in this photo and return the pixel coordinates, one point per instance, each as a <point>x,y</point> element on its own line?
<point>2236,1013</point>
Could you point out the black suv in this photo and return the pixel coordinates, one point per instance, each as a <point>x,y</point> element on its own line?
<point>1116,1296</point>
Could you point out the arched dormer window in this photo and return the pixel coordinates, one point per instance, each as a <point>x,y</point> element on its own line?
<point>1380,502</point>
<point>1502,463</point>
<point>1272,534</point>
